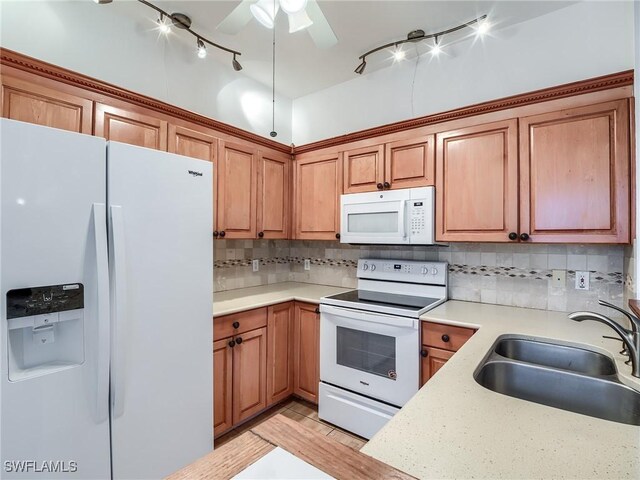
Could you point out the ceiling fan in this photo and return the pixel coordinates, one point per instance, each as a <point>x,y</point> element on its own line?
<point>303,14</point>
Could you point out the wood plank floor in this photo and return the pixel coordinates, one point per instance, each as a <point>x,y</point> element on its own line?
<point>303,412</point>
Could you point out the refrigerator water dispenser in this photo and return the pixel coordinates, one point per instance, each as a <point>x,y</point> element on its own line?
<point>46,329</point>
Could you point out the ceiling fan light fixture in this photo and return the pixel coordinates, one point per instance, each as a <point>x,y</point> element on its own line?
<point>265,12</point>
<point>292,7</point>
<point>299,21</point>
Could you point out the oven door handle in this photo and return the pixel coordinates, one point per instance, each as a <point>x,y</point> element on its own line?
<point>381,318</point>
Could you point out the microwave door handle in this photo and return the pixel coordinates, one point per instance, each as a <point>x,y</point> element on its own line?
<point>403,222</point>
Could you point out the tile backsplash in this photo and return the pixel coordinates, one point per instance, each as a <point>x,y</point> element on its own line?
<point>506,274</point>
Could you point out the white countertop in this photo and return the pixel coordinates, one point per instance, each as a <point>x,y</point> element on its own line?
<point>241,299</point>
<point>455,428</point>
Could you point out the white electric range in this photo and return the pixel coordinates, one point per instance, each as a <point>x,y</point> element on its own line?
<point>370,341</point>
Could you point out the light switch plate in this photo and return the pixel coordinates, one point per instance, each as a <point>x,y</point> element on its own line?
<point>256,265</point>
<point>582,280</point>
<point>307,264</point>
<point>558,278</point>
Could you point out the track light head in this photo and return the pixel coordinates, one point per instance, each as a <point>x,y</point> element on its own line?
<point>163,25</point>
<point>483,28</point>
<point>236,64</point>
<point>202,49</point>
<point>360,68</point>
<point>102,2</point>
<point>436,49</point>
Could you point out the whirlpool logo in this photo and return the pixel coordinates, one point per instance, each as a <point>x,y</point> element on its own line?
<point>194,173</point>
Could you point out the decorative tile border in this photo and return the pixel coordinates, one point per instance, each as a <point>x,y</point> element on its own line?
<point>285,260</point>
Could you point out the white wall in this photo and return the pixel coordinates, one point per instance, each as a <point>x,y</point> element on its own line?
<point>581,41</point>
<point>124,49</point>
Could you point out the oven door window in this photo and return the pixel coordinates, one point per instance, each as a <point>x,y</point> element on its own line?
<point>368,352</point>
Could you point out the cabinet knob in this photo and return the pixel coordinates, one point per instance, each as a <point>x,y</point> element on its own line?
<point>337,235</point>
<point>239,340</point>
<point>261,234</point>
<point>379,186</point>
<point>524,237</point>
<point>232,343</point>
<point>317,309</point>
<point>235,324</point>
<point>445,338</point>
<point>423,353</point>
<point>513,236</point>
<point>222,234</point>
<point>216,233</point>
<point>386,185</point>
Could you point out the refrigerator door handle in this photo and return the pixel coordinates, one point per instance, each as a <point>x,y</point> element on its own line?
<point>119,306</point>
<point>102,274</point>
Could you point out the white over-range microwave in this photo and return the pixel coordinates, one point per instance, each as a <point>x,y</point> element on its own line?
<point>394,217</point>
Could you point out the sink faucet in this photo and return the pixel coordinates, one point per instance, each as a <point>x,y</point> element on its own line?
<point>631,338</point>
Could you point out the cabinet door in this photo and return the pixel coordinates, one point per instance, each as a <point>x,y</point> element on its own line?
<point>410,163</point>
<point>222,386</point>
<point>249,374</point>
<point>477,183</point>
<point>574,174</point>
<point>32,103</point>
<point>237,191</point>
<point>279,352</point>
<point>274,196</point>
<point>363,169</point>
<point>306,332</point>
<point>318,185</point>
<point>120,125</point>
<point>432,362</point>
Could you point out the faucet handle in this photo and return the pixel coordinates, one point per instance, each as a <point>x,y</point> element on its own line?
<point>635,322</point>
<point>625,350</point>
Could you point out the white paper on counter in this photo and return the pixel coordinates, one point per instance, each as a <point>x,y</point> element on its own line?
<point>279,464</point>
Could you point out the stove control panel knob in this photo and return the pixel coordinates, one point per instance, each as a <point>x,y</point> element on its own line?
<point>365,266</point>
<point>373,267</point>
<point>434,271</point>
<point>425,270</point>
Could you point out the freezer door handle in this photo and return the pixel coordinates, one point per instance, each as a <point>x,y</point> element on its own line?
<point>102,274</point>
<point>119,305</point>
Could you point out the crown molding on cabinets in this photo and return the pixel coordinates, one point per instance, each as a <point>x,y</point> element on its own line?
<point>29,64</point>
<point>620,79</point>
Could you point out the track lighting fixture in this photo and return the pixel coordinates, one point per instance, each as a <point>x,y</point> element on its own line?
<point>202,50</point>
<point>480,23</point>
<point>183,22</point>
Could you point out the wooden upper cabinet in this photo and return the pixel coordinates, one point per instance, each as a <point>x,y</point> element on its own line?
<point>222,386</point>
<point>249,374</point>
<point>143,130</point>
<point>318,184</point>
<point>477,183</point>
<point>363,169</point>
<point>574,175</point>
<point>280,352</point>
<point>274,196</point>
<point>306,343</point>
<point>410,163</point>
<point>237,182</point>
<point>192,143</point>
<point>32,103</point>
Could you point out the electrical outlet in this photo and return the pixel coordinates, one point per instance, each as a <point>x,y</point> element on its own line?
<point>256,265</point>
<point>582,280</point>
<point>558,278</point>
<point>307,264</point>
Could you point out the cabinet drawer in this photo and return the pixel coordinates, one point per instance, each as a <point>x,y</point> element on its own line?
<point>223,327</point>
<point>435,335</point>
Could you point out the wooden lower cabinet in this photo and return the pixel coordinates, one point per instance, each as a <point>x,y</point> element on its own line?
<point>432,360</point>
<point>279,352</point>
<point>222,386</point>
<point>249,374</point>
<point>306,345</point>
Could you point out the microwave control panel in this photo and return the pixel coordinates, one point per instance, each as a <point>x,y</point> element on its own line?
<point>417,217</point>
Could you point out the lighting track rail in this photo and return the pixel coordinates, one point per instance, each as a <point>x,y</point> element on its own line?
<point>183,22</point>
<point>420,35</point>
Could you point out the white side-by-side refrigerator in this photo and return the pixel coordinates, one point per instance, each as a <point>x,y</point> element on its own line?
<point>106,261</point>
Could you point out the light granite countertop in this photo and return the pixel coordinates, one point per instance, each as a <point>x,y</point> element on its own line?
<point>455,428</point>
<point>241,299</point>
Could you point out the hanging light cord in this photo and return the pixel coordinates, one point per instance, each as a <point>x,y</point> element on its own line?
<point>273,81</point>
<point>413,81</point>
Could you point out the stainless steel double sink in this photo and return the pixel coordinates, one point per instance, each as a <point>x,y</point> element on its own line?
<point>558,375</point>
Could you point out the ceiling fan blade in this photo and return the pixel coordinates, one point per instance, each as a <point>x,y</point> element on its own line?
<point>237,19</point>
<point>321,32</point>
